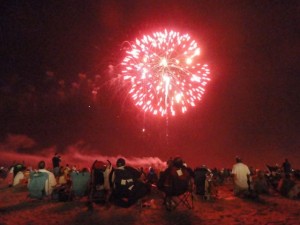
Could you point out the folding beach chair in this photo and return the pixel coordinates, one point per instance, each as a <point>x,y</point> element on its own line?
<point>177,184</point>
<point>173,201</point>
<point>97,192</point>
<point>80,183</point>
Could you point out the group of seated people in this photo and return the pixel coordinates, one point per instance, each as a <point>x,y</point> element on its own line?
<point>15,175</point>
<point>124,185</point>
<point>252,183</point>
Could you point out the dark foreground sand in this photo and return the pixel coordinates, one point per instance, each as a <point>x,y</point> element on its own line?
<point>17,209</point>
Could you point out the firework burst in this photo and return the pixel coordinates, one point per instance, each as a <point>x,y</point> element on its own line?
<point>163,73</point>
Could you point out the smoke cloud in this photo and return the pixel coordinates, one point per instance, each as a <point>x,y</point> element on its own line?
<point>77,154</point>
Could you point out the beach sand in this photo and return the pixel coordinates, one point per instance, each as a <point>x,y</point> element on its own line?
<point>17,209</point>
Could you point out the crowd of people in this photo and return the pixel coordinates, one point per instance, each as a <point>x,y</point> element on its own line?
<point>124,185</point>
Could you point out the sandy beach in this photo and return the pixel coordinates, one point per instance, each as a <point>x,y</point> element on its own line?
<point>17,208</point>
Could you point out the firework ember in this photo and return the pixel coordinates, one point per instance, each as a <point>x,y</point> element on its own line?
<point>163,73</point>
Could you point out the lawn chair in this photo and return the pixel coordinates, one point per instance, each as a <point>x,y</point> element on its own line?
<point>185,199</point>
<point>97,191</point>
<point>177,184</point>
<point>80,183</point>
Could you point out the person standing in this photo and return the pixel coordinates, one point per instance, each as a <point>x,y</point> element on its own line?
<point>241,177</point>
<point>55,162</point>
<point>286,166</point>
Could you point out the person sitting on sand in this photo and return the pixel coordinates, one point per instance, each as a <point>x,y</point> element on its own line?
<point>260,184</point>
<point>64,176</point>
<point>20,177</point>
<point>241,177</point>
<point>288,187</point>
<point>152,177</point>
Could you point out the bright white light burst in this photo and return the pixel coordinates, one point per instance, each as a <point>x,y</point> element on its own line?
<point>163,73</point>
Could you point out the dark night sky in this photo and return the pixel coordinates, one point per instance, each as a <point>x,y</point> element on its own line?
<point>250,108</point>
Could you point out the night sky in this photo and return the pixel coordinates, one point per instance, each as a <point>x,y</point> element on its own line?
<point>52,51</point>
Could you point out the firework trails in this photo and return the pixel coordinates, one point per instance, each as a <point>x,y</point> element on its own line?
<point>163,73</point>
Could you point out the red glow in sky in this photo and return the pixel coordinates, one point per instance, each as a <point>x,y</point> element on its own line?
<point>60,78</point>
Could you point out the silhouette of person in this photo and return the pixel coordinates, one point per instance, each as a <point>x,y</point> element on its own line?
<point>55,162</point>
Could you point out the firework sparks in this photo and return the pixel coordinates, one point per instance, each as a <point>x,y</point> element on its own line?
<point>163,73</point>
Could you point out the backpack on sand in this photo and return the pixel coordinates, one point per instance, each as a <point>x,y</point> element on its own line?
<point>36,186</point>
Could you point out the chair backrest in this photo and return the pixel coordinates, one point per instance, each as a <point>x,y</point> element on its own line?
<point>175,181</point>
<point>97,173</point>
<point>177,185</point>
<point>97,177</point>
<point>80,182</point>
<point>36,186</point>
<point>181,180</point>
<point>123,182</point>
